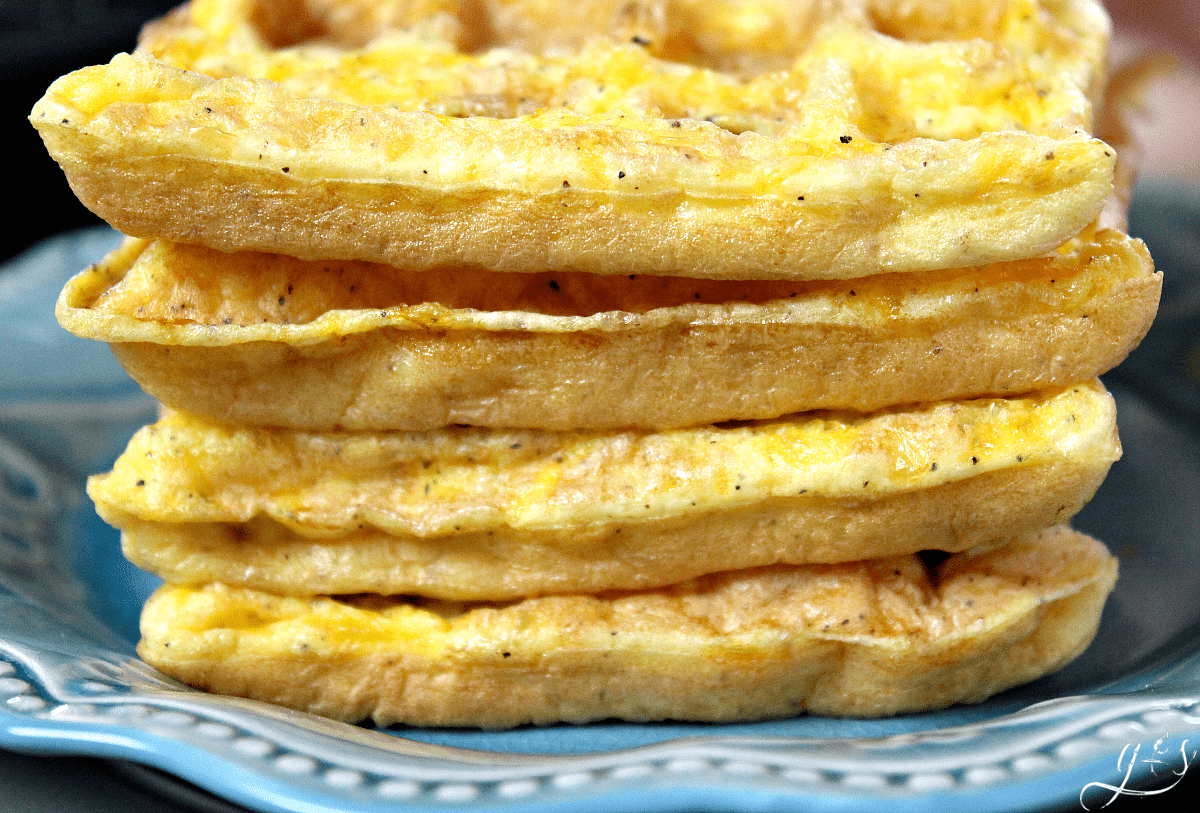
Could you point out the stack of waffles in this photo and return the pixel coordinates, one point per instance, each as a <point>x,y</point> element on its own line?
<point>530,361</point>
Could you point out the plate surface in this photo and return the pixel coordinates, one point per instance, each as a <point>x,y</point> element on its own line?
<point>1127,711</point>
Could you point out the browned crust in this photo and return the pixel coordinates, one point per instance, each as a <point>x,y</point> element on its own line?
<point>425,351</point>
<point>316,169</point>
<point>675,376</point>
<point>745,647</point>
<point>509,563</point>
<point>235,208</point>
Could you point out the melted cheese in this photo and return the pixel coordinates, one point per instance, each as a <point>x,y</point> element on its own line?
<point>463,480</point>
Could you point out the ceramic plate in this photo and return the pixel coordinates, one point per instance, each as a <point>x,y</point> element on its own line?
<point>1126,712</point>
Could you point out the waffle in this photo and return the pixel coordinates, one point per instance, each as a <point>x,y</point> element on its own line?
<point>368,347</point>
<point>896,138</point>
<point>862,639</point>
<point>648,359</point>
<point>488,514</point>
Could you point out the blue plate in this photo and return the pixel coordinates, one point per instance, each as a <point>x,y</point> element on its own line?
<point>1123,714</point>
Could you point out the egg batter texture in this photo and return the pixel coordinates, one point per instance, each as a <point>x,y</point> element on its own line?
<point>539,361</point>
<point>485,514</point>
<point>365,346</point>
<point>874,137</point>
<point>861,639</point>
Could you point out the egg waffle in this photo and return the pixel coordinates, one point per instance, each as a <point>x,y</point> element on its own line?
<point>862,639</point>
<point>781,413</point>
<point>897,137</point>
<point>483,514</point>
<point>360,346</point>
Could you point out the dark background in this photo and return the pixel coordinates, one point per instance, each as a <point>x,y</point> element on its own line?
<point>39,41</point>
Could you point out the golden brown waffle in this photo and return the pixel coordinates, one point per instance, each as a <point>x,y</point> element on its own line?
<point>489,514</point>
<point>361,346</point>
<point>864,639</point>
<point>723,212</point>
<point>871,137</point>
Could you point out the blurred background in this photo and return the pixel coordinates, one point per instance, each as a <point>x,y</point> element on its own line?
<point>39,41</point>
<point>1171,114</point>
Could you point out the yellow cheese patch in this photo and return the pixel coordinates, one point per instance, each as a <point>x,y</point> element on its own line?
<point>456,480</point>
